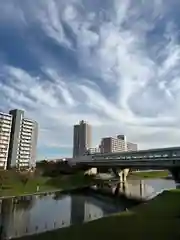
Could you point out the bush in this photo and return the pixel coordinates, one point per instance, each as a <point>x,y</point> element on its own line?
<point>6,187</point>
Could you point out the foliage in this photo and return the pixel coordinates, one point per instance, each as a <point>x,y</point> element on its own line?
<point>14,183</point>
<point>24,179</point>
<point>151,174</point>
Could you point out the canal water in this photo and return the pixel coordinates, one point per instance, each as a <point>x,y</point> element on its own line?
<point>35,214</point>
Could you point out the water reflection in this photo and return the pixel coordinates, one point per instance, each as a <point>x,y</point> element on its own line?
<point>29,215</point>
<point>22,216</point>
<point>143,189</point>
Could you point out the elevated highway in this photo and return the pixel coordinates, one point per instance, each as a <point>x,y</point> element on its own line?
<point>168,158</point>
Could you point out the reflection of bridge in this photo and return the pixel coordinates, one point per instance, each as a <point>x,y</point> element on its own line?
<point>168,158</point>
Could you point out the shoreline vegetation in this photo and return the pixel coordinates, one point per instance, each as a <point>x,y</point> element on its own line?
<point>13,184</point>
<point>149,174</point>
<point>158,218</point>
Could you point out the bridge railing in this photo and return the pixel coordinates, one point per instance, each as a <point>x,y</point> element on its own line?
<point>142,154</point>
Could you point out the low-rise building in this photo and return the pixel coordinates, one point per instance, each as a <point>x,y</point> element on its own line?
<point>132,146</point>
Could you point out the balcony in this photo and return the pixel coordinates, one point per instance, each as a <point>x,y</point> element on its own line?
<point>26,160</point>
<point>27,123</point>
<point>4,117</point>
<point>3,160</point>
<point>24,149</point>
<point>4,131</point>
<point>3,136</point>
<point>25,145</point>
<point>5,124</point>
<point>3,146</point>
<point>5,143</point>
<point>23,153</point>
<point>25,133</point>
<point>3,151</point>
<point>25,137</point>
<point>25,140</point>
<point>26,164</point>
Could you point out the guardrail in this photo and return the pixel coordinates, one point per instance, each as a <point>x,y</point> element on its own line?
<point>139,163</point>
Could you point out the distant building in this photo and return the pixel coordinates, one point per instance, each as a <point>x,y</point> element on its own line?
<point>116,144</point>
<point>23,141</point>
<point>5,134</point>
<point>113,144</point>
<point>18,140</point>
<point>132,146</point>
<point>81,138</point>
<point>121,137</point>
<point>94,150</point>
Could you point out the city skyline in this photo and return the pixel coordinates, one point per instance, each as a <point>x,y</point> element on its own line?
<point>112,63</point>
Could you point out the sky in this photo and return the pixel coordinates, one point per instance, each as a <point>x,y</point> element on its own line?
<point>113,63</point>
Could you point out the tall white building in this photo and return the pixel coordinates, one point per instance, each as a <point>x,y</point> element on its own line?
<point>5,133</point>
<point>18,140</point>
<point>23,141</point>
<point>26,156</point>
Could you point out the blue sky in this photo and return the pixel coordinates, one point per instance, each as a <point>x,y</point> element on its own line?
<point>114,63</point>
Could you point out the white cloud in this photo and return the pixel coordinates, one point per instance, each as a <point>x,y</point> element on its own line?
<point>125,90</point>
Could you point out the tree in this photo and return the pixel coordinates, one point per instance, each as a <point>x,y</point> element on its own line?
<point>24,179</point>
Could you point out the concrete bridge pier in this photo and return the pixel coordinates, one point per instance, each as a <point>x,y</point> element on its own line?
<point>176,174</point>
<point>121,173</point>
<point>125,173</point>
<point>142,188</point>
<point>91,171</point>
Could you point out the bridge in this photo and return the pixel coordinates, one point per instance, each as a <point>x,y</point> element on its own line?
<point>121,162</point>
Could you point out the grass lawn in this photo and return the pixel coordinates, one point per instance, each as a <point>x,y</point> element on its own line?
<point>156,219</point>
<point>151,174</point>
<point>12,185</point>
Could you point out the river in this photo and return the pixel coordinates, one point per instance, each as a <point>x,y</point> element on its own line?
<point>34,214</point>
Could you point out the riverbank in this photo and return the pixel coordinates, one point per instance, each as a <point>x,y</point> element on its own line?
<point>150,174</point>
<point>13,186</point>
<point>158,218</point>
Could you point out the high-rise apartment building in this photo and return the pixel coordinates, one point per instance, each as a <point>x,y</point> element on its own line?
<point>5,132</point>
<point>18,140</point>
<point>119,144</point>
<point>81,138</point>
<point>23,141</point>
<point>112,144</point>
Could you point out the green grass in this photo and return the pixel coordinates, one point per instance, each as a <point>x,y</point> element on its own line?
<point>156,219</point>
<point>152,174</point>
<point>12,185</point>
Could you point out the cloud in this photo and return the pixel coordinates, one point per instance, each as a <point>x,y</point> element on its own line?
<point>112,63</point>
